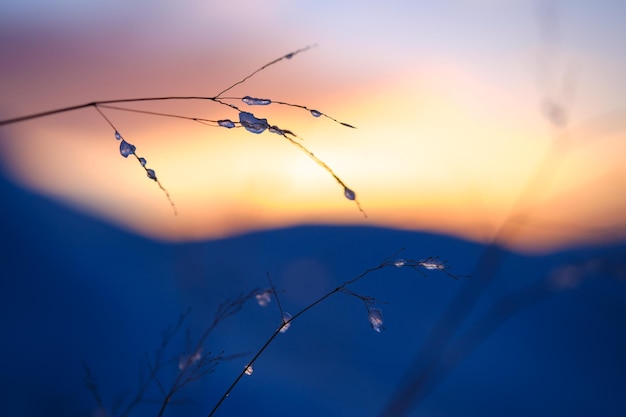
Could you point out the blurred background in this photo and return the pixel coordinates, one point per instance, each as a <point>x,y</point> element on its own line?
<point>477,121</point>
<point>456,104</point>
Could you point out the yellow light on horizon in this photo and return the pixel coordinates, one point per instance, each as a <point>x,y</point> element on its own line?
<point>442,152</point>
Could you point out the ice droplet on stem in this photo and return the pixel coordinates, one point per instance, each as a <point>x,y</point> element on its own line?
<point>375,316</point>
<point>188,360</point>
<point>226,123</point>
<point>249,370</point>
<point>253,101</point>
<point>350,195</point>
<point>399,262</point>
<point>286,325</point>
<point>432,264</point>
<point>126,148</point>
<point>151,174</point>
<point>264,298</point>
<point>251,123</point>
<point>316,113</point>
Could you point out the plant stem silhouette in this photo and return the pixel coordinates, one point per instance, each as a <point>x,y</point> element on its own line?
<point>285,133</point>
<point>343,288</point>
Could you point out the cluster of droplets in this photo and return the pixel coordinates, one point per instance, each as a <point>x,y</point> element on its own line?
<point>374,312</point>
<point>258,125</point>
<point>257,101</point>
<point>264,297</point>
<point>127,149</point>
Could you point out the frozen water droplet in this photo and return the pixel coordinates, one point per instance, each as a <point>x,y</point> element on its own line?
<point>289,55</point>
<point>142,161</point>
<point>126,149</point>
<point>117,135</point>
<point>264,298</point>
<point>182,361</point>
<point>432,264</point>
<point>226,123</point>
<point>399,262</point>
<point>316,113</point>
<point>376,318</point>
<point>277,130</point>
<point>251,123</point>
<point>249,370</point>
<point>350,195</point>
<point>151,174</point>
<point>286,325</point>
<point>188,360</point>
<point>253,101</point>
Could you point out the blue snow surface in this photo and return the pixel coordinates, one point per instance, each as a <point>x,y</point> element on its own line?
<point>76,291</point>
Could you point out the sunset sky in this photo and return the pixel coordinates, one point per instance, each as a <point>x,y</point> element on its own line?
<point>449,99</point>
<point>477,122</point>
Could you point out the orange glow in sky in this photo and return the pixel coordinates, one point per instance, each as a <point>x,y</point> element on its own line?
<point>450,132</point>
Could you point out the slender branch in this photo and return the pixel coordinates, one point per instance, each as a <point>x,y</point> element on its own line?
<point>247,77</point>
<point>97,103</point>
<point>386,263</point>
<point>349,194</point>
<point>160,114</point>
<point>225,310</point>
<point>91,386</point>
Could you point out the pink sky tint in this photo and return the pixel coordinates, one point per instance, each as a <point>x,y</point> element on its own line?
<point>447,101</point>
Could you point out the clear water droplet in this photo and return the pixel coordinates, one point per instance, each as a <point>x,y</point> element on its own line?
<point>399,262</point>
<point>316,113</point>
<point>126,149</point>
<point>286,325</point>
<point>117,135</point>
<point>375,316</point>
<point>151,174</point>
<point>251,123</point>
<point>249,370</point>
<point>142,161</point>
<point>226,123</point>
<point>253,101</point>
<point>350,195</point>
<point>264,298</point>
